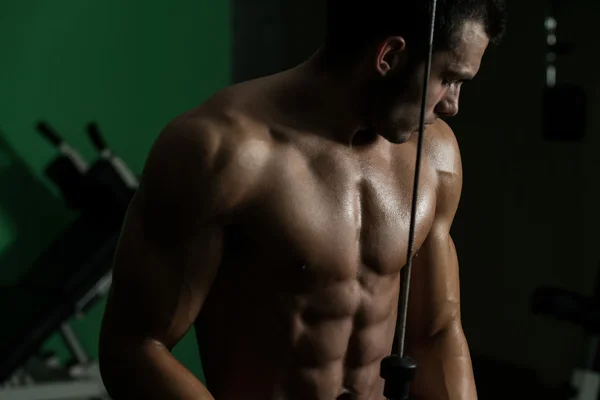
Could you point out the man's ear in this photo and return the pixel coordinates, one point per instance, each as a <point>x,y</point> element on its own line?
<point>391,55</point>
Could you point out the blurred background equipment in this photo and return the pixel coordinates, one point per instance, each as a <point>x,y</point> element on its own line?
<point>66,170</point>
<point>62,194</point>
<point>564,103</point>
<point>67,279</point>
<point>582,311</point>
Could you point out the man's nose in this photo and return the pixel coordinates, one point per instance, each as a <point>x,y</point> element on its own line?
<point>448,106</point>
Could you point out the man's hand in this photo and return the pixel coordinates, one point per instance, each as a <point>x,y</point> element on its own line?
<point>435,338</point>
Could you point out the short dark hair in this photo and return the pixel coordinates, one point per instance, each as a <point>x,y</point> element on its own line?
<point>359,22</point>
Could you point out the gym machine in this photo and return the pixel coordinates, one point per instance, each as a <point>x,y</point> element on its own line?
<point>67,279</point>
<point>564,105</point>
<point>583,311</point>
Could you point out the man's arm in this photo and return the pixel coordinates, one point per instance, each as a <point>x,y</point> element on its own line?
<point>435,337</point>
<point>167,258</point>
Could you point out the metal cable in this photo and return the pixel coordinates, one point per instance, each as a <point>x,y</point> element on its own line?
<point>406,271</point>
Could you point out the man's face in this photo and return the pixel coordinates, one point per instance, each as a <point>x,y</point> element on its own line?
<point>395,97</point>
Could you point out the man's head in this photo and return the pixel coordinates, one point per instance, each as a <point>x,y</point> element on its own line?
<point>387,40</point>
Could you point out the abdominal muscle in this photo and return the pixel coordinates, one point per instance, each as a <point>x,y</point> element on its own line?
<point>324,344</point>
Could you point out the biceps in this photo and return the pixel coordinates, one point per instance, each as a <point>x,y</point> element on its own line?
<point>159,285</point>
<point>435,291</point>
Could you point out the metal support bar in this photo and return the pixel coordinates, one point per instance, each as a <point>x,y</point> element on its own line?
<point>74,344</point>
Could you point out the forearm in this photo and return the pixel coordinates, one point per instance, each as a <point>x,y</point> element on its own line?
<point>444,369</point>
<point>148,371</point>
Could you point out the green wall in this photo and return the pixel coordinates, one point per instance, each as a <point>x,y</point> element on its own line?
<point>131,66</point>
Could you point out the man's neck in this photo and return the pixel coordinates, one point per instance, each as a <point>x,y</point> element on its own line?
<point>326,101</point>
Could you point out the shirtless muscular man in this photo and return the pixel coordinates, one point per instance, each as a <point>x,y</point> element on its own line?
<point>275,218</point>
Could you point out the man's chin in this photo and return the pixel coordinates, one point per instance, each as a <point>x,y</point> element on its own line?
<point>398,137</point>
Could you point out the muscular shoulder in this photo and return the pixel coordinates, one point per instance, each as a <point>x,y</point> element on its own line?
<point>207,160</point>
<point>441,149</point>
<point>442,152</point>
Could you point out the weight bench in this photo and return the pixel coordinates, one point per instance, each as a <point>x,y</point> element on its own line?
<point>65,281</point>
